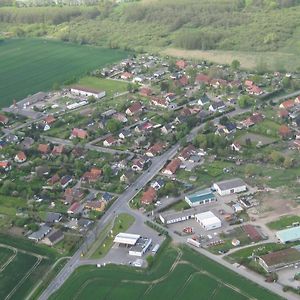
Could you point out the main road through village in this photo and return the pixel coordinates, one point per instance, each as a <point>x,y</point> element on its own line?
<point>121,204</point>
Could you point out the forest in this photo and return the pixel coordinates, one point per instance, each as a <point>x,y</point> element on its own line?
<point>239,25</point>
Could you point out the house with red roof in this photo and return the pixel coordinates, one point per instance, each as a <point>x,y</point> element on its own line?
<point>75,208</point>
<point>49,120</point>
<point>172,167</point>
<point>236,146</point>
<point>187,152</point>
<point>58,150</point>
<point>155,149</point>
<point>109,141</point>
<point>92,176</point>
<point>126,76</point>
<point>54,179</point>
<point>202,79</point>
<point>79,133</point>
<point>181,64</point>
<point>5,166</point>
<point>20,157</point>
<point>149,196</point>
<point>3,119</point>
<point>159,102</point>
<point>44,148</point>
<point>145,91</point>
<point>288,104</point>
<point>134,109</point>
<point>120,117</point>
<point>255,90</point>
<point>138,164</point>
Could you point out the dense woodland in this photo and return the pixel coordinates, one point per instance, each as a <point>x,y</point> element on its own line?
<point>248,25</point>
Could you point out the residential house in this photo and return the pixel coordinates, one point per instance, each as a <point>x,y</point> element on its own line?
<point>145,91</point>
<point>54,179</point>
<point>65,181</point>
<point>92,176</point>
<point>127,177</point>
<point>204,100</point>
<point>149,196</point>
<point>202,79</point>
<point>187,152</point>
<point>283,113</point>
<point>181,64</point>
<point>172,167</point>
<point>217,106</point>
<point>125,133</point>
<point>288,104</point>
<point>126,76</point>
<point>138,164</point>
<point>158,184</point>
<point>78,152</point>
<point>44,148</point>
<point>49,120</point>
<point>120,117</point>
<point>218,83</point>
<point>166,129</point>
<point>95,205</point>
<point>170,97</point>
<point>20,157</point>
<point>72,195</point>
<point>144,127</point>
<point>5,166</point>
<point>53,217</point>
<point>75,208</point>
<point>27,143</point>
<point>79,133</point>
<point>3,119</point>
<point>109,141</point>
<point>58,150</point>
<point>236,146</point>
<point>40,234</point>
<point>155,150</point>
<point>159,102</point>
<point>107,197</point>
<point>42,170</point>
<point>134,109</point>
<point>53,238</point>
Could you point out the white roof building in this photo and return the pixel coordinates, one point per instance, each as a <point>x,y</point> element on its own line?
<point>126,238</point>
<point>208,220</point>
<point>228,187</point>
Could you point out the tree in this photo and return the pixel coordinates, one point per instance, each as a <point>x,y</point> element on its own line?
<point>150,260</point>
<point>224,120</point>
<point>288,162</point>
<point>113,125</point>
<point>235,65</point>
<point>276,157</point>
<point>200,141</point>
<point>244,101</point>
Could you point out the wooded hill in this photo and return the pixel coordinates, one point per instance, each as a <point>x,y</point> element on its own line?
<point>247,25</point>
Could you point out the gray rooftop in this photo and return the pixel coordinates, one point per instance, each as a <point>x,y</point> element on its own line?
<point>230,184</point>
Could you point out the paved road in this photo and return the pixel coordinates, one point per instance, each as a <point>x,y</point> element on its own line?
<point>290,95</point>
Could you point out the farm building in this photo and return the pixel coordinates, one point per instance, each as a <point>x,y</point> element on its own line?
<point>87,92</point>
<point>208,220</point>
<point>288,235</point>
<point>231,186</point>
<point>281,259</point>
<point>200,197</point>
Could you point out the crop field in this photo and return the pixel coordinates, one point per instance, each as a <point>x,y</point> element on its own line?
<point>179,273</point>
<point>20,267</point>
<point>28,66</point>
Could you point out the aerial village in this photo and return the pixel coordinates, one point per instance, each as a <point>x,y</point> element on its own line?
<point>199,150</point>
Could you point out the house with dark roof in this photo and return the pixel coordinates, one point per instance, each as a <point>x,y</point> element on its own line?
<point>53,238</point>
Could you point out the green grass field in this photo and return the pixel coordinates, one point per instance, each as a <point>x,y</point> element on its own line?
<point>283,222</point>
<point>109,85</point>
<point>31,65</point>
<point>178,274</point>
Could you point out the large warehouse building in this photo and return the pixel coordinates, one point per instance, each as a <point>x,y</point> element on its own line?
<point>228,187</point>
<point>208,220</point>
<point>200,197</point>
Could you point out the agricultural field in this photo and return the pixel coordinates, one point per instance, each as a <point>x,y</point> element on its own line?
<point>21,266</point>
<point>35,65</point>
<point>179,273</point>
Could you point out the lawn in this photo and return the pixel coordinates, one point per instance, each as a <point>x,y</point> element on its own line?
<point>167,279</point>
<point>266,127</point>
<point>34,65</point>
<point>121,223</point>
<point>283,222</point>
<point>110,86</point>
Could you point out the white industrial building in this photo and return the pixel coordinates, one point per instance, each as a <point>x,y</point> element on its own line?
<point>138,245</point>
<point>228,187</point>
<point>128,239</point>
<point>87,92</point>
<point>208,220</point>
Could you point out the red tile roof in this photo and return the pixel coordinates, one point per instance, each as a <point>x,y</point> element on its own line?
<point>79,133</point>
<point>149,196</point>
